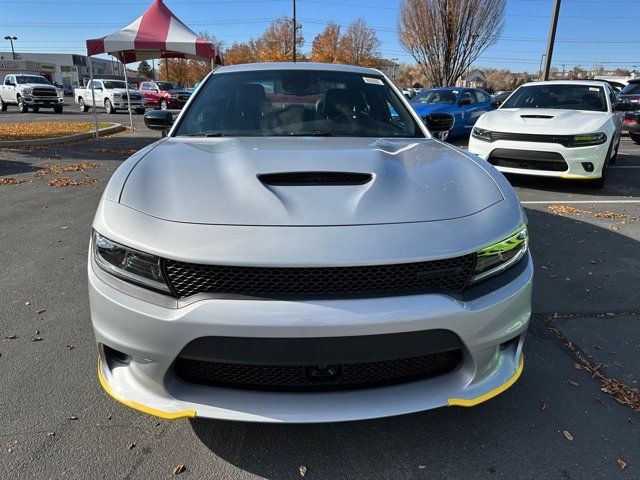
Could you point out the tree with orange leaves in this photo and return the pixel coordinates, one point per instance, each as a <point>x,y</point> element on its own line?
<point>326,46</point>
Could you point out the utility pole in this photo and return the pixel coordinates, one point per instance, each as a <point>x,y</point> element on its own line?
<point>295,33</point>
<point>540,69</point>
<point>552,38</point>
<point>563,65</point>
<point>11,39</point>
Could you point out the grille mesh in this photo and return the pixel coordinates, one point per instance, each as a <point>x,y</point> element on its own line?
<point>44,92</point>
<point>526,137</point>
<point>298,377</point>
<point>188,279</point>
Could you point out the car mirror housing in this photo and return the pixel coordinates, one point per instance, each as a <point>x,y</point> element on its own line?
<point>438,122</point>
<point>621,106</point>
<point>161,120</point>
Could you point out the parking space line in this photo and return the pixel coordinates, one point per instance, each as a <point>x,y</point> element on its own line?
<point>576,202</point>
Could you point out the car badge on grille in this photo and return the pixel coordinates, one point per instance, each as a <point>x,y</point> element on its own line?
<point>322,373</point>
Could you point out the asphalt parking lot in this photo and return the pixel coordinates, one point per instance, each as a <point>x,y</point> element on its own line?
<point>572,415</point>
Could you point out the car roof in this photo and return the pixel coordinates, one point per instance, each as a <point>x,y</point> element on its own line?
<point>332,67</point>
<point>566,82</point>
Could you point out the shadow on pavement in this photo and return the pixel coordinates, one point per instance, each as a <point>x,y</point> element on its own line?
<point>511,436</point>
<point>11,167</point>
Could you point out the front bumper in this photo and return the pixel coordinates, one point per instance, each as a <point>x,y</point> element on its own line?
<point>122,103</point>
<point>42,101</point>
<point>574,157</point>
<point>490,327</point>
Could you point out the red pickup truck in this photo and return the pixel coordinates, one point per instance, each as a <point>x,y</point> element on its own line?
<point>164,95</point>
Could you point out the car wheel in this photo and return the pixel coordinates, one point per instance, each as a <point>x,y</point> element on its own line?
<point>3,106</point>
<point>614,157</point>
<point>35,109</point>
<point>83,106</point>
<point>108,106</point>
<point>22,107</point>
<point>164,105</point>
<point>599,182</point>
<point>635,137</point>
<point>57,109</point>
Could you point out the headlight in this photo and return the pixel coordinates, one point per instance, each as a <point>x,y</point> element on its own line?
<point>587,139</point>
<point>481,134</point>
<point>27,91</point>
<point>128,264</point>
<point>499,257</point>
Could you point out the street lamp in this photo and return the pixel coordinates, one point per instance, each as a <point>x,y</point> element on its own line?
<point>11,39</point>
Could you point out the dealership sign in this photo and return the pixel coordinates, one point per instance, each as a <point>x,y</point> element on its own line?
<point>21,65</point>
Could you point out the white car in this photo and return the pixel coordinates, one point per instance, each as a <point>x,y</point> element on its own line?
<point>30,92</point>
<point>110,95</point>
<point>565,129</point>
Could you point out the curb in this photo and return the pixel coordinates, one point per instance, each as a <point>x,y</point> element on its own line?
<point>115,128</point>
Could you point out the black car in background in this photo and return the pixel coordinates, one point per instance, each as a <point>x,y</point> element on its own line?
<point>631,96</point>
<point>630,93</point>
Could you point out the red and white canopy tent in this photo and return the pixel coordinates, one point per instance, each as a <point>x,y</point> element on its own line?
<point>158,33</point>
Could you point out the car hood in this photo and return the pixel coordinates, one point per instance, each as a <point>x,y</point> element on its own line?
<point>37,85</point>
<point>177,92</point>
<point>427,108</point>
<point>124,91</point>
<point>216,181</point>
<point>542,121</point>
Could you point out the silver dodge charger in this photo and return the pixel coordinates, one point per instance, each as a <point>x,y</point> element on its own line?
<point>298,248</point>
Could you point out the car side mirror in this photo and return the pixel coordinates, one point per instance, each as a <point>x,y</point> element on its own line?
<point>625,107</point>
<point>439,124</point>
<point>464,101</point>
<point>11,84</point>
<point>496,104</point>
<point>160,120</point>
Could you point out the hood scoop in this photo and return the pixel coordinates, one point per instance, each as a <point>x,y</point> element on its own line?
<point>298,179</point>
<point>547,117</point>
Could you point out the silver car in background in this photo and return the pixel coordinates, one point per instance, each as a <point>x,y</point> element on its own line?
<point>300,249</point>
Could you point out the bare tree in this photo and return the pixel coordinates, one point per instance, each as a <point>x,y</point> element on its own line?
<point>360,45</point>
<point>446,36</point>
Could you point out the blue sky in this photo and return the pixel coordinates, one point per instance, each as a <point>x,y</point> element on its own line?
<point>589,31</point>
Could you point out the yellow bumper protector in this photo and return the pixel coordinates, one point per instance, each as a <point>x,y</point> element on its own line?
<point>461,402</point>
<point>570,176</point>
<point>139,406</point>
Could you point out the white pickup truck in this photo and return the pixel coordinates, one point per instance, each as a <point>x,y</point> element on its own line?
<point>110,95</point>
<point>29,92</point>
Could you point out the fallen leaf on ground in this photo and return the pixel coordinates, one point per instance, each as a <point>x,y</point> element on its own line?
<point>10,337</point>
<point>573,382</point>
<point>179,469</point>
<point>12,181</point>
<point>622,463</point>
<point>74,167</point>
<point>568,435</point>
<point>131,446</point>
<point>36,339</point>
<point>31,130</point>
<point>303,470</point>
<point>545,406</point>
<point>67,182</point>
<point>73,417</point>
<point>40,311</point>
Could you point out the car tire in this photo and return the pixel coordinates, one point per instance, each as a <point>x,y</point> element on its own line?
<point>108,106</point>
<point>614,157</point>
<point>164,105</point>
<point>3,106</point>
<point>83,106</point>
<point>22,107</point>
<point>58,109</point>
<point>140,111</point>
<point>599,182</point>
<point>635,137</point>
<point>35,109</point>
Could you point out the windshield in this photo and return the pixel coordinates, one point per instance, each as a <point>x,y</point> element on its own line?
<point>23,79</point>
<point>562,96</point>
<point>108,84</point>
<point>631,89</point>
<point>446,97</point>
<point>168,86</point>
<point>297,103</point>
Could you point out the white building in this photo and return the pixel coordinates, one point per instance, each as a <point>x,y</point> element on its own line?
<point>61,68</point>
<point>390,68</point>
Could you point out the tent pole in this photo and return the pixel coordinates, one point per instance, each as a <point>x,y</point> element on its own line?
<point>96,134</point>
<point>126,85</point>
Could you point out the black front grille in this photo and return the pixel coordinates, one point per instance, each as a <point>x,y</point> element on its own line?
<point>315,178</point>
<point>186,279</point>
<point>44,92</point>
<point>528,160</point>
<point>316,378</point>
<point>527,137</point>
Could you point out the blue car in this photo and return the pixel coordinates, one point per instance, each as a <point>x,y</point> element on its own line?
<point>465,104</point>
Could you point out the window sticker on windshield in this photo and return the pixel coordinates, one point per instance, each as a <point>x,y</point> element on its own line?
<point>373,81</point>
<point>594,89</point>
<point>455,92</point>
